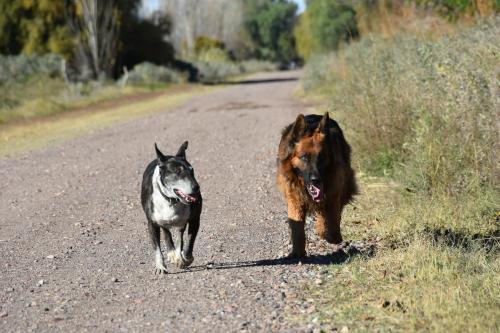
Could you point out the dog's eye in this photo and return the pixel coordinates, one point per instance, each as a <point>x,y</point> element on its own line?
<point>304,158</point>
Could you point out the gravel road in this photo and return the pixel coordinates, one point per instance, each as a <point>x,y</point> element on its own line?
<point>73,239</point>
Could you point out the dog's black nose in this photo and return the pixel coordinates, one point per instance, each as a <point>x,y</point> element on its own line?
<point>314,178</point>
<point>196,188</point>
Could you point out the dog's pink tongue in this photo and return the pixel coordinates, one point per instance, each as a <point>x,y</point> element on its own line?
<point>315,193</point>
<point>188,197</point>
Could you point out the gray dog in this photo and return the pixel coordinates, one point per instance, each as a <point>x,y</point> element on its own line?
<point>172,201</point>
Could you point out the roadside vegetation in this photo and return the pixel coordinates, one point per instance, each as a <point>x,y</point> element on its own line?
<point>420,107</point>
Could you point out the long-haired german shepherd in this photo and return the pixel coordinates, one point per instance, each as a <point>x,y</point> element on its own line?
<point>315,174</point>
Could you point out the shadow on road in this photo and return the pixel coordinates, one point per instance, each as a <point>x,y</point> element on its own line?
<point>257,81</point>
<point>336,258</point>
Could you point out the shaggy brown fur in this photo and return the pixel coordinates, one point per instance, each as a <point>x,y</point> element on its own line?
<point>313,150</point>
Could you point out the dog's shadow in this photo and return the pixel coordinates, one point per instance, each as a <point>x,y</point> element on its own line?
<point>336,258</point>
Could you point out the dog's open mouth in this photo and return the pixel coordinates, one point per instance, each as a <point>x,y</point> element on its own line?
<point>184,197</point>
<point>315,192</point>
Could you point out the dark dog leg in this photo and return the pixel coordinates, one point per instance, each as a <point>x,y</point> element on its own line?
<point>298,238</point>
<point>187,252</point>
<point>333,235</point>
<point>154,234</point>
<point>170,249</point>
<point>175,256</point>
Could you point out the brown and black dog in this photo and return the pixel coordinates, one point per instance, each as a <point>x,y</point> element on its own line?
<point>315,174</point>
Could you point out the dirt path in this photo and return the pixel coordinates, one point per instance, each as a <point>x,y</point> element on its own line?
<point>73,243</point>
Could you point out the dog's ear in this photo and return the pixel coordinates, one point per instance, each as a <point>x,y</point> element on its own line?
<point>298,128</point>
<point>323,124</point>
<point>182,150</point>
<point>294,135</point>
<point>159,156</point>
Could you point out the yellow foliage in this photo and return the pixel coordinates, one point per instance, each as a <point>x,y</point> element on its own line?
<point>303,37</point>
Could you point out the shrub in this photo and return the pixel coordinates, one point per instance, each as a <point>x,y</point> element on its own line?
<point>22,67</point>
<point>324,25</point>
<point>204,43</point>
<point>147,73</point>
<point>426,110</point>
<point>213,55</point>
<point>216,71</point>
<point>250,66</point>
<point>219,71</point>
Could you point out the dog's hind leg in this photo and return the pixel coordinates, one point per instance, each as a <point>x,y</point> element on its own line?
<point>187,251</point>
<point>332,223</point>
<point>154,234</point>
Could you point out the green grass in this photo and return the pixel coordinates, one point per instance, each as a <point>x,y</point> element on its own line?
<point>421,116</point>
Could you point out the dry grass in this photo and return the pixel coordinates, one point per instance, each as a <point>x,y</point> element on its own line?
<point>39,133</point>
<point>418,280</point>
<point>424,109</point>
<point>422,114</point>
<point>41,96</point>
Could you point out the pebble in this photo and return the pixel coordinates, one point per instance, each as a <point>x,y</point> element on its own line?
<point>3,314</point>
<point>50,257</point>
<point>40,283</point>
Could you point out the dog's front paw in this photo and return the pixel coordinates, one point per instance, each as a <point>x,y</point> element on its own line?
<point>160,268</point>
<point>296,255</point>
<point>176,258</point>
<point>188,260</point>
<point>334,238</point>
<point>159,265</point>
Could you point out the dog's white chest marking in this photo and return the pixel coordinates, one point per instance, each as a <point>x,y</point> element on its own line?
<point>164,212</point>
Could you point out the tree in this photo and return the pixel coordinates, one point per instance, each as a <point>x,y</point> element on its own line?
<point>94,24</point>
<point>215,19</point>
<point>145,39</point>
<point>324,25</point>
<point>269,23</point>
<point>29,27</point>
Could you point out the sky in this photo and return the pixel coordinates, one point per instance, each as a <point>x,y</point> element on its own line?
<point>151,5</point>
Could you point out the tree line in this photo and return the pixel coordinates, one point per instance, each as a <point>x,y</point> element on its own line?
<point>100,38</point>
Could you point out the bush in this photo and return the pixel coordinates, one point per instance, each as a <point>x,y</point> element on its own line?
<point>22,67</point>
<point>213,55</point>
<point>147,73</point>
<point>219,71</point>
<point>216,71</point>
<point>323,26</point>
<point>250,66</point>
<point>425,110</point>
<point>204,43</point>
